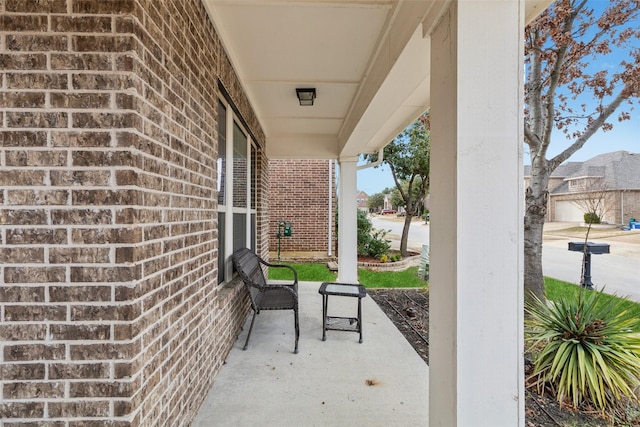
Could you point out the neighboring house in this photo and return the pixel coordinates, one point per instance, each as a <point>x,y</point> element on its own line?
<point>387,202</point>
<point>303,193</point>
<point>613,177</point>
<point>362,199</point>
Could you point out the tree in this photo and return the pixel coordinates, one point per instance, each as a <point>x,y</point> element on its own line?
<point>408,159</point>
<point>398,200</point>
<point>375,202</point>
<point>595,202</point>
<point>559,48</point>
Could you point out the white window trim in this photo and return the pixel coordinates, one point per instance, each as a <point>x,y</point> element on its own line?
<point>228,208</point>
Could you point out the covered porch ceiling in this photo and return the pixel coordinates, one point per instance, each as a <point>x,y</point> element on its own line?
<point>367,59</point>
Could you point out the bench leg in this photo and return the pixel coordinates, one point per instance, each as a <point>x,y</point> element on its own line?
<point>246,343</point>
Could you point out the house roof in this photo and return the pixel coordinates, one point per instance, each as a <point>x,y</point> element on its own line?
<point>367,59</point>
<point>620,170</point>
<point>562,171</point>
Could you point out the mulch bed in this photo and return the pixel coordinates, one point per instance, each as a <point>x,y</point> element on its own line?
<point>408,309</point>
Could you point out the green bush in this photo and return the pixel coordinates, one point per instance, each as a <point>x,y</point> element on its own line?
<point>588,349</point>
<point>591,218</point>
<point>364,233</point>
<point>371,242</point>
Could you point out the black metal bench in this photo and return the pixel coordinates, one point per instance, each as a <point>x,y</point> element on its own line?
<point>265,295</point>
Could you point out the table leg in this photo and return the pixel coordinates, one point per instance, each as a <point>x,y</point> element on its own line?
<point>325,300</point>
<point>360,317</point>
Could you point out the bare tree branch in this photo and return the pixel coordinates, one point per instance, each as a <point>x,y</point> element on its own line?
<point>590,130</point>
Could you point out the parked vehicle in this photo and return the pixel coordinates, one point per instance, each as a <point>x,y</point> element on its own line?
<point>387,212</point>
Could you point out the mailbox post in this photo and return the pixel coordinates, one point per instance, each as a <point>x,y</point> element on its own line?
<point>592,248</point>
<point>285,226</point>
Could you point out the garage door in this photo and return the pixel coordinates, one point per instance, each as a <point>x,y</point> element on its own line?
<point>569,212</point>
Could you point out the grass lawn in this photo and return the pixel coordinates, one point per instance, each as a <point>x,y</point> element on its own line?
<point>370,279</point>
<point>391,279</point>
<point>307,272</point>
<point>315,272</point>
<point>555,289</point>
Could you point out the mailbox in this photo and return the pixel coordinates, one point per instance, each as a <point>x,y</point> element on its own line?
<point>592,248</point>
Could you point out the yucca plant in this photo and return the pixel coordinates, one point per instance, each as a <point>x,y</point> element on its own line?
<point>589,351</point>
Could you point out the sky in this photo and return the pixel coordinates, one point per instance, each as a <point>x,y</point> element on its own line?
<point>624,136</point>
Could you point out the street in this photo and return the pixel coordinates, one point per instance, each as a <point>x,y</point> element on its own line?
<point>418,232</point>
<point>618,272</point>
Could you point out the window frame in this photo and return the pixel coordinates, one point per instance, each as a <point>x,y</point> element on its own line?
<point>228,209</point>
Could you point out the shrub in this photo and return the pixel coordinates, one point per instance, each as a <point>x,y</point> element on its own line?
<point>378,245</point>
<point>591,218</point>
<point>589,351</point>
<point>371,242</point>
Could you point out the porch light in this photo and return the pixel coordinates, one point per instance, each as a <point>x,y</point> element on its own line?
<point>306,96</point>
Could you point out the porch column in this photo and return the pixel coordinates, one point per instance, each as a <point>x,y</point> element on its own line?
<point>347,222</point>
<point>476,287</point>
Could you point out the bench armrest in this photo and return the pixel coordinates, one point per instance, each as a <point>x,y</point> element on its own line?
<point>295,273</point>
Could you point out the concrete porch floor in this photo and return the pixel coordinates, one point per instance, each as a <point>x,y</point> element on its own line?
<point>328,383</point>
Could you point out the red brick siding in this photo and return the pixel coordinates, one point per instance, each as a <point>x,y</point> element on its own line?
<point>299,193</point>
<point>108,223</point>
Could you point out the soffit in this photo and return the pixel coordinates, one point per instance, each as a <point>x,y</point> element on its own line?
<point>367,59</point>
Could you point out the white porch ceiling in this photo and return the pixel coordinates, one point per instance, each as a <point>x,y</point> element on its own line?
<point>367,59</point>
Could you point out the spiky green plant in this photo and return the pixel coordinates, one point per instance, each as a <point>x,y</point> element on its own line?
<point>589,351</point>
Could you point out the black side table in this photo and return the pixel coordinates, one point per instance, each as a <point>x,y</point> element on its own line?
<point>349,324</point>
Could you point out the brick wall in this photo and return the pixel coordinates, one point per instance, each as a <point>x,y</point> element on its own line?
<point>109,309</point>
<point>299,193</point>
<point>631,206</point>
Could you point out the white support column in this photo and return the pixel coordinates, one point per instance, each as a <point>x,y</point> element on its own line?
<point>476,282</point>
<point>347,222</point>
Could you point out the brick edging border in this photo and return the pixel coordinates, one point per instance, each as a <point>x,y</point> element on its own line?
<point>391,266</point>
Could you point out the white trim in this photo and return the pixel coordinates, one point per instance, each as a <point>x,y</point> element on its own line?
<point>228,208</point>
<point>330,220</point>
<point>228,223</point>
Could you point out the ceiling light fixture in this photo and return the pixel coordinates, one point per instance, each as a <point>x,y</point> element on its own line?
<point>306,96</point>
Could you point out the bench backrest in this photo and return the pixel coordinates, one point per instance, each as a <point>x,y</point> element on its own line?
<point>249,267</point>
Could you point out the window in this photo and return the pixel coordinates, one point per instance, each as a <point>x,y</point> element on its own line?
<point>237,178</point>
<point>577,184</point>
